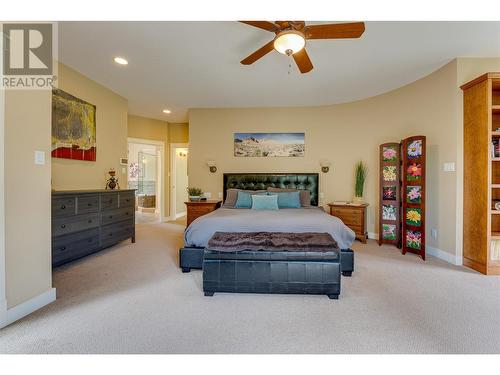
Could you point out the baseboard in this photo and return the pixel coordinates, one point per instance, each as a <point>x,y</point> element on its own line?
<point>26,308</point>
<point>433,251</point>
<point>181,214</point>
<point>443,255</point>
<point>3,312</point>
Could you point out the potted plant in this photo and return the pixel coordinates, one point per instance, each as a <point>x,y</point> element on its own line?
<point>194,193</point>
<point>360,177</point>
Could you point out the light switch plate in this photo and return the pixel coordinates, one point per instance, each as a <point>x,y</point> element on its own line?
<point>321,195</point>
<point>39,157</point>
<point>220,195</point>
<point>449,167</point>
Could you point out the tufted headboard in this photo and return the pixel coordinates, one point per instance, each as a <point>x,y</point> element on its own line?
<point>261,181</point>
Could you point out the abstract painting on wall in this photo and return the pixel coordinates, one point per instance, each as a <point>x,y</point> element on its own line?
<point>73,127</point>
<point>269,144</point>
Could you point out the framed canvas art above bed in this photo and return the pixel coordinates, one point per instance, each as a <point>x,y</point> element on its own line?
<point>269,144</point>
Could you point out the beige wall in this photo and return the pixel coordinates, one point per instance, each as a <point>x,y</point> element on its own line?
<point>156,130</point>
<point>344,134</point>
<point>178,132</point>
<point>27,191</point>
<point>111,135</point>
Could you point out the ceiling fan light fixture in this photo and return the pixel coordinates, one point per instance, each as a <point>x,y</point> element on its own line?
<point>289,42</point>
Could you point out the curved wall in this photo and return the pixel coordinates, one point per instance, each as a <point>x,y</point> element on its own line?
<point>347,133</point>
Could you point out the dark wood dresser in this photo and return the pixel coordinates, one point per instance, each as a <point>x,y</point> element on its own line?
<point>352,216</point>
<point>200,208</point>
<point>86,221</point>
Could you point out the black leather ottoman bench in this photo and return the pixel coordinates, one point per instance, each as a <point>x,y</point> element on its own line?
<point>304,271</point>
<point>192,258</point>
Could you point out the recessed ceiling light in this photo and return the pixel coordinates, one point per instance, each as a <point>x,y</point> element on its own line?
<point>120,60</point>
<point>167,111</point>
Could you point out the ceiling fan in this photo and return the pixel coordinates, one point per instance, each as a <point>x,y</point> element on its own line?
<point>291,36</point>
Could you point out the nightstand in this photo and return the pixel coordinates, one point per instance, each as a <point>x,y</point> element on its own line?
<point>352,216</point>
<point>200,208</point>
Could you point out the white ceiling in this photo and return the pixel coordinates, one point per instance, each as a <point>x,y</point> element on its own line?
<point>182,65</point>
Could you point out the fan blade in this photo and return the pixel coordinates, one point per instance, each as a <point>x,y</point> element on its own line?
<point>335,31</point>
<point>259,53</point>
<point>265,25</point>
<point>303,61</point>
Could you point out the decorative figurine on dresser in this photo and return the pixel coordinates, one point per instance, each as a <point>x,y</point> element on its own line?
<point>112,182</point>
<point>86,221</point>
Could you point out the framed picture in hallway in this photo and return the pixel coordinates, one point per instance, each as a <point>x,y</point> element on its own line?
<point>73,127</point>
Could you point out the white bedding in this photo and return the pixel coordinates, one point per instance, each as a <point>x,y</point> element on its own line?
<point>299,220</point>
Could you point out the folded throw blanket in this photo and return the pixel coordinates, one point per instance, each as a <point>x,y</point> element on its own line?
<point>272,241</point>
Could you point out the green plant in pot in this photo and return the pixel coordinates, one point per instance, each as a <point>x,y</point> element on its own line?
<point>361,171</point>
<point>194,193</point>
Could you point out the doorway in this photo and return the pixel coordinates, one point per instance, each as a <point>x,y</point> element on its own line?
<point>179,180</point>
<point>145,174</point>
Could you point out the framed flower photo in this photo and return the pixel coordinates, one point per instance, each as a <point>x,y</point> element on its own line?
<point>389,212</point>
<point>414,216</point>
<point>389,232</point>
<point>414,239</point>
<point>415,149</point>
<point>389,192</point>
<point>389,154</point>
<point>414,194</point>
<point>389,173</point>
<point>414,172</point>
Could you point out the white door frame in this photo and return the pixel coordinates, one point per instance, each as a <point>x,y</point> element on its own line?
<point>3,298</point>
<point>173,200</point>
<point>161,145</point>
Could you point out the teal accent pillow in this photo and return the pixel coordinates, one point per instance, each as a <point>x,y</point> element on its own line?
<point>265,202</point>
<point>288,199</point>
<point>244,199</point>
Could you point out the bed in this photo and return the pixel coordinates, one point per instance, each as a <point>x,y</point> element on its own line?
<point>298,220</point>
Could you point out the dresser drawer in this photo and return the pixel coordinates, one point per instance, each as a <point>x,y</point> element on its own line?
<point>74,246</point>
<point>111,234</point>
<point>114,216</point>
<point>109,201</point>
<point>87,204</point>
<point>63,206</point>
<point>349,217</point>
<point>127,199</point>
<point>72,224</point>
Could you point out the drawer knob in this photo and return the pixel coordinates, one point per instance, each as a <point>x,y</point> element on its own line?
<point>110,216</point>
<point>89,204</point>
<point>63,207</point>
<point>89,221</point>
<point>111,234</point>
<point>62,248</point>
<point>63,226</point>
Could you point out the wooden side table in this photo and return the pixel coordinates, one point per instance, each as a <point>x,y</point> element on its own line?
<point>200,208</point>
<point>352,216</point>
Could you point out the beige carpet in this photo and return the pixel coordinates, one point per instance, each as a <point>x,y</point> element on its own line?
<point>134,299</point>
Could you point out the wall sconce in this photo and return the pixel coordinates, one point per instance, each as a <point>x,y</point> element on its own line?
<point>212,166</point>
<point>325,166</point>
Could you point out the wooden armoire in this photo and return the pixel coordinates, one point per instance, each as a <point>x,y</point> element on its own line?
<point>481,220</point>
